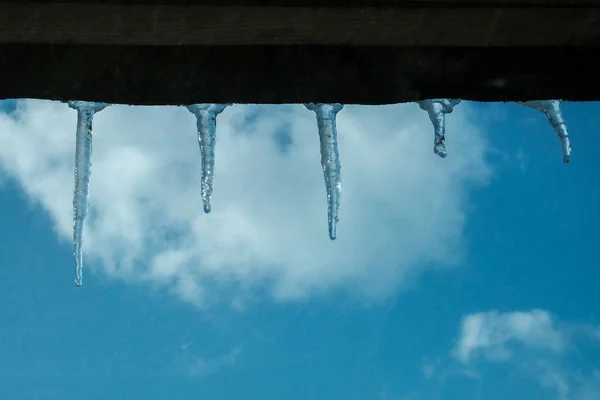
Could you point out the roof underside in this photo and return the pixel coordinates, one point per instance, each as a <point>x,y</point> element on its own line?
<point>351,52</point>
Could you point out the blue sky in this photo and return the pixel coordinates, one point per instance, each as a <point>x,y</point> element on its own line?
<point>472,277</point>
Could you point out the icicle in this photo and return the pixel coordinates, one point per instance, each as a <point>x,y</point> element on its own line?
<point>437,110</point>
<point>83,170</point>
<point>206,122</point>
<point>330,159</point>
<point>551,108</point>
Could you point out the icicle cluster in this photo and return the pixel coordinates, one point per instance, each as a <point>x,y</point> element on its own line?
<point>206,122</point>
<point>438,108</point>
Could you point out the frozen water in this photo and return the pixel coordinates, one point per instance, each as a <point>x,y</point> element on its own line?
<point>551,108</point>
<point>83,171</point>
<point>206,122</point>
<point>206,115</point>
<point>437,110</point>
<point>330,159</point>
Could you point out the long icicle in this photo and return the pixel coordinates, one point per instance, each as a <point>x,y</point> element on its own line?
<point>206,122</point>
<point>551,108</point>
<point>437,110</point>
<point>330,159</point>
<point>83,170</point>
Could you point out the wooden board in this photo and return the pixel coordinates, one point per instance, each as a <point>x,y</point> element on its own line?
<point>166,25</point>
<point>180,52</point>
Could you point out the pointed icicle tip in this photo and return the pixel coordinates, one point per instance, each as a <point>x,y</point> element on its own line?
<point>83,170</point>
<point>437,110</point>
<point>206,123</point>
<point>552,111</point>
<point>330,159</point>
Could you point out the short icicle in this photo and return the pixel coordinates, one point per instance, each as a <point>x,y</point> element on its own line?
<point>551,108</point>
<point>83,169</point>
<point>330,159</point>
<point>206,122</point>
<point>437,110</point>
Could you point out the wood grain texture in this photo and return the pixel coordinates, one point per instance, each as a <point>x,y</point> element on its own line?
<point>163,25</point>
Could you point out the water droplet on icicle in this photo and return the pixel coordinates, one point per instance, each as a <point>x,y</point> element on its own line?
<point>206,122</point>
<point>330,159</point>
<point>83,170</point>
<point>551,108</point>
<point>437,110</point>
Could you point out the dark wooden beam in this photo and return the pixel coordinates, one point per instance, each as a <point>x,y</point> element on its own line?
<point>330,3</point>
<point>430,24</point>
<point>181,52</point>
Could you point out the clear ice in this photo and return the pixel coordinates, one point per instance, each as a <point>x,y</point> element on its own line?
<point>551,108</point>
<point>330,159</point>
<point>206,122</point>
<point>83,170</point>
<point>437,110</point>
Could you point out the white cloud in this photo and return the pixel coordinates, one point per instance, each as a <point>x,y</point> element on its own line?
<point>429,369</point>
<point>589,388</point>
<point>403,208</point>
<point>568,383</point>
<point>545,348</point>
<point>489,334</point>
<point>552,378</point>
<point>202,366</point>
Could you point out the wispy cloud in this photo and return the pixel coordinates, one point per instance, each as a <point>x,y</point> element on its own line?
<point>490,334</point>
<point>202,366</point>
<point>535,343</point>
<point>429,369</point>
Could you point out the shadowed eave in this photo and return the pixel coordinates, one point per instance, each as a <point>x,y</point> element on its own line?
<point>350,52</point>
